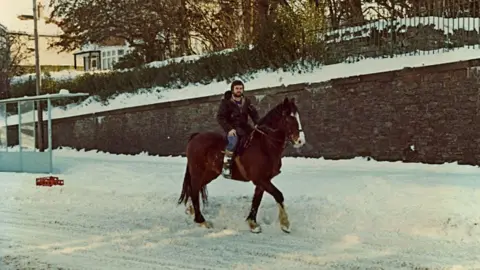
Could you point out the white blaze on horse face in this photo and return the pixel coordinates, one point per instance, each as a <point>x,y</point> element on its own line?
<point>301,138</point>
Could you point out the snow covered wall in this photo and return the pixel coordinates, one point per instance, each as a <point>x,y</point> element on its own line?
<point>384,115</point>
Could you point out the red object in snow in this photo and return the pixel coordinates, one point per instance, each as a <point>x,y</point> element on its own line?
<point>49,181</point>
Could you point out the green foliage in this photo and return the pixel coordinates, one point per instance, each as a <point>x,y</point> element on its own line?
<point>291,35</point>
<point>301,23</point>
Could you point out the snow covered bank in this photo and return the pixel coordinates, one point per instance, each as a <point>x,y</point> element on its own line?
<point>262,79</point>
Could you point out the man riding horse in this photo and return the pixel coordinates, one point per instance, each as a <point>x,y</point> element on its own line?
<point>232,116</point>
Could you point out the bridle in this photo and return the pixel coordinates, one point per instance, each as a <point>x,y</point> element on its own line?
<point>272,140</point>
<point>266,134</point>
<point>269,137</point>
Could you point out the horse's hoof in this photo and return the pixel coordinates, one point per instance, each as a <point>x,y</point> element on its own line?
<point>257,229</point>
<point>285,228</point>
<point>254,227</point>
<point>206,224</point>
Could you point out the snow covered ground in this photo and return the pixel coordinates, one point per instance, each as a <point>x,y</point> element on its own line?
<point>119,212</point>
<point>261,79</point>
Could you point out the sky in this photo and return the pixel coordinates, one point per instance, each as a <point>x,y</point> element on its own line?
<point>10,9</point>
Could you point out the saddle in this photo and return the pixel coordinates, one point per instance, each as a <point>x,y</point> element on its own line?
<point>243,143</point>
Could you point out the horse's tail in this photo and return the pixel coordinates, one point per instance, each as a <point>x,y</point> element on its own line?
<point>187,187</point>
<point>187,183</point>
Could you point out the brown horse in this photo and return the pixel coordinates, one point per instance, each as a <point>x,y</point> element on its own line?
<point>259,161</point>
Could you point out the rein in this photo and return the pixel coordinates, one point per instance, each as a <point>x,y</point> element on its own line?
<point>256,128</point>
<point>284,141</point>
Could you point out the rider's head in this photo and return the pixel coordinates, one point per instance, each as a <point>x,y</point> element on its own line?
<point>237,88</point>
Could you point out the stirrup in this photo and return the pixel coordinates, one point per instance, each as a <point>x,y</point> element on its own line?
<point>228,153</point>
<point>226,173</point>
<point>227,166</point>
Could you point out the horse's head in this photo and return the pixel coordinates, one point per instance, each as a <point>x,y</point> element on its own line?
<point>291,124</point>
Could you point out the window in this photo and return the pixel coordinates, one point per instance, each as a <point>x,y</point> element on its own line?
<point>109,58</point>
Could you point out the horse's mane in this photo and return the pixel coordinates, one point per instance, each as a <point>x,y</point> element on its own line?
<point>274,114</point>
<point>269,123</point>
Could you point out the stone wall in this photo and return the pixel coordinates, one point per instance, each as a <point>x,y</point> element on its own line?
<point>434,108</point>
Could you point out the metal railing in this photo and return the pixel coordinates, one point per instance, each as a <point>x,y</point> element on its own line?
<point>425,27</point>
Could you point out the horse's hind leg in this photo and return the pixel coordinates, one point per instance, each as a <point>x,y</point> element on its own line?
<point>199,219</point>
<point>252,217</point>
<point>278,196</point>
<point>195,196</point>
<point>189,209</point>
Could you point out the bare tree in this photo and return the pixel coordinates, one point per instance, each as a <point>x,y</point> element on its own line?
<point>217,24</point>
<point>345,12</point>
<point>156,29</point>
<point>14,50</point>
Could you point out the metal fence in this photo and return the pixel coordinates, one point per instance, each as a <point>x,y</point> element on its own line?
<point>424,27</point>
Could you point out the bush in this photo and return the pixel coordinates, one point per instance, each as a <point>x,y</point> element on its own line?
<point>131,60</point>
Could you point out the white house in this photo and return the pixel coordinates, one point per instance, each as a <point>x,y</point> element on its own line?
<point>101,56</point>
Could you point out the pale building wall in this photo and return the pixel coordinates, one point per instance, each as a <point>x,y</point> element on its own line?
<point>48,56</point>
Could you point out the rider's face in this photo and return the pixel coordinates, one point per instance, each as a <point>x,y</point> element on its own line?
<point>237,90</point>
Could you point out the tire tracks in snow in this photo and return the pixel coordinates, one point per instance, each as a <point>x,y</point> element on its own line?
<point>54,232</point>
<point>145,231</point>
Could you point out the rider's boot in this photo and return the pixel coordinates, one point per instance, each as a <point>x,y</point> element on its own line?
<point>227,164</point>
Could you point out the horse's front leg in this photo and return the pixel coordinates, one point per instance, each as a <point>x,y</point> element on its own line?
<point>276,170</point>
<point>278,196</point>
<point>252,217</point>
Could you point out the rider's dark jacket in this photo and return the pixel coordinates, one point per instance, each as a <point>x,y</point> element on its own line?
<point>231,115</point>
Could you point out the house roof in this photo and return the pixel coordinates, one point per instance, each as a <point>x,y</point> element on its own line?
<point>86,52</point>
<point>94,47</point>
